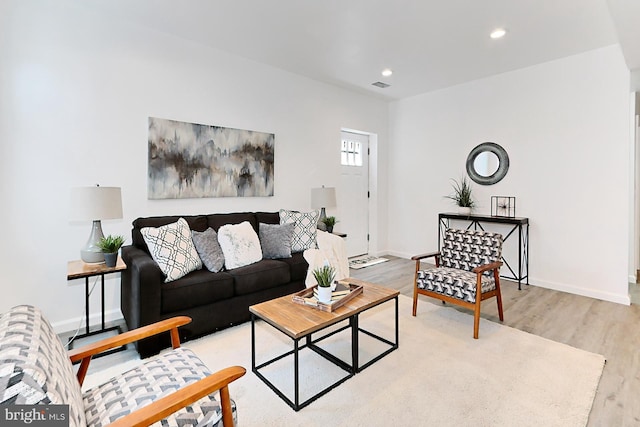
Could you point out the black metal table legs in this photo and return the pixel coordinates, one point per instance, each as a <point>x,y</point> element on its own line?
<point>310,343</point>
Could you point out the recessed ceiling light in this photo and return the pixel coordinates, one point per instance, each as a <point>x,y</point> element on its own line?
<point>387,72</point>
<point>498,33</point>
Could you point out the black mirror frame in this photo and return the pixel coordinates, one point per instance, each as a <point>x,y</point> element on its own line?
<point>503,166</point>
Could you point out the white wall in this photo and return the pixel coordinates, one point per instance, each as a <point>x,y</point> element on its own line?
<point>76,89</point>
<point>565,125</point>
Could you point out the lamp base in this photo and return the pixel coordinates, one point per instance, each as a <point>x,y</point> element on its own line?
<point>91,252</point>
<point>321,224</point>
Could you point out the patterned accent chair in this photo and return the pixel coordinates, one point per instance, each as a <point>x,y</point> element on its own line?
<point>467,272</point>
<point>172,389</point>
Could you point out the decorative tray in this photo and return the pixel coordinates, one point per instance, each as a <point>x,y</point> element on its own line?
<point>306,297</point>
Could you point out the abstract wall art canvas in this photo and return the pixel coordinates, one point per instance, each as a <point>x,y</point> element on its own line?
<point>188,160</point>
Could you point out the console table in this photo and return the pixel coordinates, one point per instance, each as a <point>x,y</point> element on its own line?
<point>519,226</point>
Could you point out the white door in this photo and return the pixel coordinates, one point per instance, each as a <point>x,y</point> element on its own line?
<point>353,194</point>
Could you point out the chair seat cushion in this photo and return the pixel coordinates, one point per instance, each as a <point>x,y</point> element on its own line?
<point>149,382</point>
<point>460,284</point>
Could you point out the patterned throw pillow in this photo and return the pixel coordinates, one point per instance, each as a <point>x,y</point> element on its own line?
<point>172,248</point>
<point>209,249</point>
<point>304,230</point>
<point>240,245</point>
<point>276,240</point>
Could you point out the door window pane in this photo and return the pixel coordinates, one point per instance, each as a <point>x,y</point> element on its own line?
<point>351,154</point>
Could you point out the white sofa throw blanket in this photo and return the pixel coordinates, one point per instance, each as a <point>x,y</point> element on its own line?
<point>331,248</point>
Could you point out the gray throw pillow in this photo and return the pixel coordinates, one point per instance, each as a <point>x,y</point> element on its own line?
<point>209,249</point>
<point>275,240</point>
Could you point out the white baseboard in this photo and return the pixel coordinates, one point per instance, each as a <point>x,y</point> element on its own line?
<point>571,289</point>
<point>70,325</point>
<point>585,292</point>
<point>398,254</point>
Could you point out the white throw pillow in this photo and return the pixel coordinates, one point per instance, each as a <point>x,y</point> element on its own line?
<point>304,230</point>
<point>172,248</point>
<point>240,245</point>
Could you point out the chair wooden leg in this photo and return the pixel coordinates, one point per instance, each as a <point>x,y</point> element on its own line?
<point>415,289</point>
<point>476,319</point>
<point>225,403</point>
<point>476,311</point>
<point>496,277</point>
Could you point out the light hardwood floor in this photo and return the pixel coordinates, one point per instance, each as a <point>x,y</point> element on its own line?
<point>606,328</point>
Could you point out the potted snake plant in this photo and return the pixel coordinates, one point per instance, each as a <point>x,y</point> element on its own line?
<point>324,276</point>
<point>462,196</point>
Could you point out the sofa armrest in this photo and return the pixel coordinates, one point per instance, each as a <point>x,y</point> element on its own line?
<point>167,405</point>
<point>140,288</point>
<point>85,353</point>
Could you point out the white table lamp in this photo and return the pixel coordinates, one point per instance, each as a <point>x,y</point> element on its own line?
<point>95,204</point>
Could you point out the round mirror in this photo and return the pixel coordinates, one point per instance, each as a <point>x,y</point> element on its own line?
<point>487,163</point>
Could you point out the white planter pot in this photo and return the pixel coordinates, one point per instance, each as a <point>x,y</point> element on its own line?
<point>462,210</point>
<point>324,294</point>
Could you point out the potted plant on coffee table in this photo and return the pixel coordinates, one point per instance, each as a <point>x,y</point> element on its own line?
<point>324,276</point>
<point>109,245</point>
<point>462,196</point>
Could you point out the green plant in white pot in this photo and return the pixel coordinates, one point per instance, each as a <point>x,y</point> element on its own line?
<point>110,245</point>
<point>324,276</point>
<point>462,196</point>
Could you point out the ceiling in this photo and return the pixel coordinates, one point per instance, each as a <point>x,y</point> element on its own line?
<point>429,44</point>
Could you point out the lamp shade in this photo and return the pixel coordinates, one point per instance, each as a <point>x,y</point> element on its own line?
<point>91,203</point>
<point>324,197</point>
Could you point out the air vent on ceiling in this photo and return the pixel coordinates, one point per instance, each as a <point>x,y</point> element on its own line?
<point>380,84</point>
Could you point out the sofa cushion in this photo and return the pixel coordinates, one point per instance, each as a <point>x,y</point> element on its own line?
<point>216,221</point>
<point>209,249</point>
<point>197,288</point>
<point>172,248</point>
<point>265,274</point>
<point>240,245</point>
<point>156,378</point>
<point>196,222</point>
<point>35,365</point>
<point>305,230</point>
<point>298,266</point>
<point>275,240</point>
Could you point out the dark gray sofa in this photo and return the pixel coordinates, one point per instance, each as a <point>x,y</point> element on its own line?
<point>213,300</point>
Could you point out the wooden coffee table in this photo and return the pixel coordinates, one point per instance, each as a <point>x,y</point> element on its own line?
<point>299,322</point>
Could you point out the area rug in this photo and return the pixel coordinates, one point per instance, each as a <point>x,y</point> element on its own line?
<point>439,376</point>
<point>365,261</point>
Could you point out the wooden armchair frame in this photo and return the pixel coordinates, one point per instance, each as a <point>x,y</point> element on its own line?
<point>167,405</point>
<point>480,296</point>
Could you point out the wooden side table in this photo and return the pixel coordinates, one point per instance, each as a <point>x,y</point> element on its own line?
<point>78,270</point>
